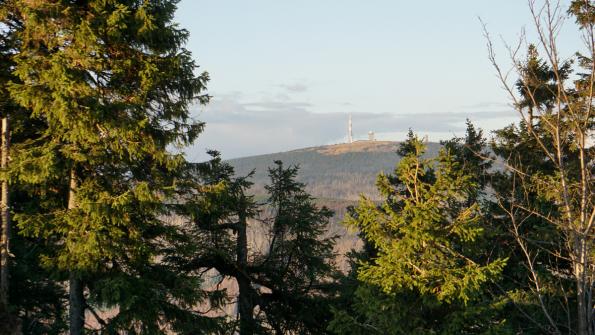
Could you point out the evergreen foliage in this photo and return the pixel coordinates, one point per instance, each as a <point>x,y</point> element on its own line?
<point>545,197</point>
<point>284,273</point>
<point>425,260</point>
<point>424,231</point>
<point>109,83</point>
<point>36,298</point>
<point>299,262</point>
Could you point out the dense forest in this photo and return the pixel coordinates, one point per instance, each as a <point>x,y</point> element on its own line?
<point>340,171</point>
<point>108,229</point>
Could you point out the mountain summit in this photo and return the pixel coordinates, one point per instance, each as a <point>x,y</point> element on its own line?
<point>338,171</point>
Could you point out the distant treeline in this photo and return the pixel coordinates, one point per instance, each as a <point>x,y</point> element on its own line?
<point>334,176</point>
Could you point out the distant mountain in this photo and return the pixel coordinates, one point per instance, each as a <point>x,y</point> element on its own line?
<point>339,171</point>
<point>335,174</point>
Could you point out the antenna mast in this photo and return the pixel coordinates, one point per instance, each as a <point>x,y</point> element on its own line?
<point>350,131</point>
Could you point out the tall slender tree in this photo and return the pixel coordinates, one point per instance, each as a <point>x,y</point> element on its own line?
<point>4,214</point>
<point>299,263</point>
<point>8,109</point>
<point>6,49</point>
<point>112,82</point>
<point>554,191</point>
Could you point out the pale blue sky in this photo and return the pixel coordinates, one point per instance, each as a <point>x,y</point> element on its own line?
<point>285,74</point>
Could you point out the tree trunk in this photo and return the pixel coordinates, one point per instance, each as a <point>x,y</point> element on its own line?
<point>584,304</point>
<point>77,305</point>
<point>5,218</point>
<point>76,299</point>
<point>245,301</point>
<point>582,309</point>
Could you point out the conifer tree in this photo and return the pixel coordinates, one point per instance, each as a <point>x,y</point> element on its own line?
<point>425,262</point>
<point>423,231</point>
<point>111,82</point>
<point>546,192</point>
<point>218,216</point>
<point>7,45</point>
<point>32,300</point>
<point>285,285</point>
<point>471,154</point>
<point>299,262</point>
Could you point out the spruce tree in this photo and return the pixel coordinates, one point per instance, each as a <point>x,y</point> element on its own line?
<point>284,275</point>
<point>298,265</point>
<point>423,230</point>
<point>218,214</point>
<point>472,155</point>
<point>425,260</point>
<point>33,302</point>
<point>111,82</point>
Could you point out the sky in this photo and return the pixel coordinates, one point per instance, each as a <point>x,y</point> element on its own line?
<point>287,74</point>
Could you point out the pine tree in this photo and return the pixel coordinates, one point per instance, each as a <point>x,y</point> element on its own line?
<point>111,84</point>
<point>532,311</point>
<point>218,216</point>
<point>537,85</point>
<point>32,300</point>
<point>425,261</point>
<point>471,154</point>
<point>299,262</point>
<point>284,286</point>
<point>423,230</point>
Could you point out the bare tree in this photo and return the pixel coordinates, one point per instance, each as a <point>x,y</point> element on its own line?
<point>557,108</point>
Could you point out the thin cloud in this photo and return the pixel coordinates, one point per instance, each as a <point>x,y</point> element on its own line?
<point>487,105</point>
<point>278,105</point>
<point>294,88</point>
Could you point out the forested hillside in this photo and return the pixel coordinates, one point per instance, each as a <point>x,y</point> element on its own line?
<point>339,171</point>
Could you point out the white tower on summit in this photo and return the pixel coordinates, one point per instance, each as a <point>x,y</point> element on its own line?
<point>350,131</point>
